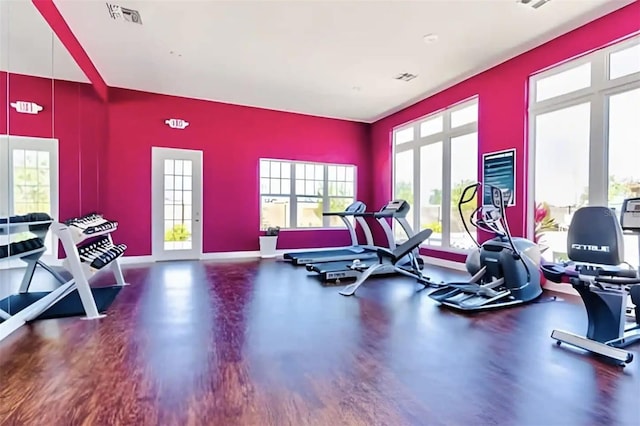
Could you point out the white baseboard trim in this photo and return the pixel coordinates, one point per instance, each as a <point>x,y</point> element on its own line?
<point>436,261</point>
<point>283,251</point>
<point>230,255</point>
<point>130,260</point>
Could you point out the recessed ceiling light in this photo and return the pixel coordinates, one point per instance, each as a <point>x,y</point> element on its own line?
<point>430,38</point>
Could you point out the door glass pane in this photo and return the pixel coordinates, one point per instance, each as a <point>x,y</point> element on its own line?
<point>404,187</point>
<point>177,189</point>
<point>464,172</point>
<point>403,136</point>
<point>309,212</point>
<point>624,152</point>
<point>565,82</point>
<point>561,186</point>
<point>431,191</point>
<point>624,62</point>
<point>264,168</point>
<point>31,189</point>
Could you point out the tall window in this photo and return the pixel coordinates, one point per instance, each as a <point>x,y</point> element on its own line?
<point>295,194</point>
<point>584,126</point>
<point>435,157</point>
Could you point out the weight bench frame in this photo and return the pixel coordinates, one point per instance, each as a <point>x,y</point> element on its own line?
<point>391,258</point>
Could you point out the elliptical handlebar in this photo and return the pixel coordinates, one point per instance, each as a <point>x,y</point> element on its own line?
<point>486,224</point>
<point>497,199</point>
<point>497,225</point>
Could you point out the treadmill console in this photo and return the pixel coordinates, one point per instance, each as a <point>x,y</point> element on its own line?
<point>394,208</point>
<point>357,207</point>
<point>630,215</point>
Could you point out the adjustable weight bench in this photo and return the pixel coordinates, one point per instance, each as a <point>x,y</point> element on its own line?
<point>393,260</point>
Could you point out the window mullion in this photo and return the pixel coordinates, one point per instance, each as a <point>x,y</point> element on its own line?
<point>598,155</point>
<point>416,189</point>
<point>325,195</point>
<point>446,184</point>
<point>293,209</point>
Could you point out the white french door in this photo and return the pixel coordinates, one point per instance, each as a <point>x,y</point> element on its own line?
<point>176,203</point>
<point>29,184</point>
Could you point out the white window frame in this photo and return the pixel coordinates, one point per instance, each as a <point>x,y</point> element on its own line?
<point>9,143</point>
<point>597,94</point>
<point>445,136</point>
<point>293,197</point>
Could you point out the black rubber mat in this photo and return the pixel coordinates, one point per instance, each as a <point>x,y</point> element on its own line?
<point>69,306</point>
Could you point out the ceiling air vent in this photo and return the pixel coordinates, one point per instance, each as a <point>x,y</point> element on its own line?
<point>405,76</point>
<point>120,13</point>
<point>534,3</point>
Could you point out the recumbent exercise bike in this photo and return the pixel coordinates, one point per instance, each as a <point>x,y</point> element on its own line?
<point>595,248</point>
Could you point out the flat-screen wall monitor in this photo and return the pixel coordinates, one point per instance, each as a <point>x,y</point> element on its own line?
<point>498,170</point>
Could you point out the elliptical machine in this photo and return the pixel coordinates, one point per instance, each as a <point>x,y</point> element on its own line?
<point>505,270</point>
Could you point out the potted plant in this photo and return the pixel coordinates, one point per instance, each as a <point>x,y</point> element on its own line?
<point>543,223</point>
<point>268,242</point>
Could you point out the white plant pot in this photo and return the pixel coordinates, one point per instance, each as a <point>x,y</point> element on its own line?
<point>268,246</point>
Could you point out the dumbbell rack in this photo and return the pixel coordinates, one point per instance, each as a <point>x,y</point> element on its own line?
<point>89,248</point>
<point>30,252</point>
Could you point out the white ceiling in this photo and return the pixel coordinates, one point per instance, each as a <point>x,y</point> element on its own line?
<point>308,56</point>
<point>28,46</point>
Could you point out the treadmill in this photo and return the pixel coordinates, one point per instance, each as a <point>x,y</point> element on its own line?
<point>336,270</point>
<point>356,251</point>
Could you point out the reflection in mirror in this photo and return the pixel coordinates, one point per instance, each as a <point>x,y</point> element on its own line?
<point>49,111</point>
<point>4,145</point>
<point>26,67</point>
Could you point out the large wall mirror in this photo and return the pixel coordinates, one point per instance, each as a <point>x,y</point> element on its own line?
<point>41,130</point>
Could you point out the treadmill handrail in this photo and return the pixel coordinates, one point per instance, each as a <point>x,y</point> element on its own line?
<point>340,214</point>
<point>365,214</point>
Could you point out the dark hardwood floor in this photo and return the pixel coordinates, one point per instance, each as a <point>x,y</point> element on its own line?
<point>261,343</point>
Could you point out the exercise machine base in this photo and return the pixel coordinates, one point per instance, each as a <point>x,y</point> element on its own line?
<point>623,357</point>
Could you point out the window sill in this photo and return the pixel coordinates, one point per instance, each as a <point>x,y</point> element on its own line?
<point>450,250</point>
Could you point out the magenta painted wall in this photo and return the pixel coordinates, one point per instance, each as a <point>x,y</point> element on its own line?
<point>232,139</point>
<point>75,116</point>
<point>105,149</point>
<point>503,101</point>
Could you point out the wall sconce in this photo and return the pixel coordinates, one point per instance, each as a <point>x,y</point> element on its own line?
<point>176,123</point>
<point>25,107</point>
